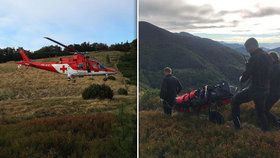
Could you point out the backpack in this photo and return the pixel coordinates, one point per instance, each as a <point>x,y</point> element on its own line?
<point>196,100</point>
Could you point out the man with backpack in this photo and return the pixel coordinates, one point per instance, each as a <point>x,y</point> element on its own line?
<point>257,71</point>
<point>274,93</point>
<point>170,87</point>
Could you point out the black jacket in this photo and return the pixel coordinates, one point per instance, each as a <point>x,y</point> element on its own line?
<point>258,69</point>
<point>170,87</point>
<point>275,78</point>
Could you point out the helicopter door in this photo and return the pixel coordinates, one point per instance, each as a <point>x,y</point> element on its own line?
<point>88,67</point>
<point>87,62</point>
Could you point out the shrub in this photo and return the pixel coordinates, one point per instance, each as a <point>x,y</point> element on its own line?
<point>105,92</point>
<point>122,91</point>
<point>150,100</point>
<point>111,78</point>
<point>128,82</point>
<point>96,91</point>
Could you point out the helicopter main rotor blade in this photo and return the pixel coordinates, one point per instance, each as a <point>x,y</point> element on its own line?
<point>68,48</point>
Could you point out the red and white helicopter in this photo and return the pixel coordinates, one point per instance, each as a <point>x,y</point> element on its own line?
<point>77,65</point>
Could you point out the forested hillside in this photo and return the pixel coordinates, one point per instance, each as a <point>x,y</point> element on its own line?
<point>196,61</point>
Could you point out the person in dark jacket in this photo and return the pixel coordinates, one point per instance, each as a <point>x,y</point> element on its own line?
<point>170,87</point>
<point>258,71</point>
<point>274,93</point>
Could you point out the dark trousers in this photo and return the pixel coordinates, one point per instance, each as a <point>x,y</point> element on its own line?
<point>168,105</point>
<point>272,98</point>
<point>259,98</point>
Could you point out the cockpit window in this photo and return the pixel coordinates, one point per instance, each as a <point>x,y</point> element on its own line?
<point>80,66</point>
<point>102,67</point>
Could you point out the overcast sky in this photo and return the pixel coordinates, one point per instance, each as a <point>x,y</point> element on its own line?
<point>24,22</point>
<point>222,20</point>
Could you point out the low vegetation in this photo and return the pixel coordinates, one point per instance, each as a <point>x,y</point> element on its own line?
<point>149,100</point>
<point>189,135</point>
<point>122,91</point>
<point>100,134</point>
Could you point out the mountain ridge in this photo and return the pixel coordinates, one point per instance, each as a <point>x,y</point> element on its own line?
<point>196,61</point>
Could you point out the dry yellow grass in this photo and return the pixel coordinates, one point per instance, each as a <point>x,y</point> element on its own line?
<point>30,92</point>
<point>34,83</point>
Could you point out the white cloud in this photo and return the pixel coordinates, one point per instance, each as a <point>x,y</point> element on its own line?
<point>233,18</point>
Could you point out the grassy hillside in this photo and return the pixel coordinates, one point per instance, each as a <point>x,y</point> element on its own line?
<point>34,83</point>
<point>44,115</point>
<point>187,135</point>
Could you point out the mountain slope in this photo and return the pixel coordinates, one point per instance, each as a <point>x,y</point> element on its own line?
<point>196,60</point>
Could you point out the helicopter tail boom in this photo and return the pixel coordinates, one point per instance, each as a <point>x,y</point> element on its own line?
<point>24,56</point>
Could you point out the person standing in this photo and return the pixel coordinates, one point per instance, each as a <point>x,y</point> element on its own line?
<point>170,87</point>
<point>257,71</point>
<point>274,93</point>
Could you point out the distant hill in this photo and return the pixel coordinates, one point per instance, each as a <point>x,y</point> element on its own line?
<point>238,47</point>
<point>196,61</point>
<point>232,45</point>
<point>270,45</point>
<point>241,49</point>
<point>276,49</point>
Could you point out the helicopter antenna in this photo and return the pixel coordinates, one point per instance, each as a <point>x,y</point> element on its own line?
<point>66,47</point>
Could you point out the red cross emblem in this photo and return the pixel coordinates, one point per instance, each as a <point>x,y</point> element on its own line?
<point>63,68</point>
